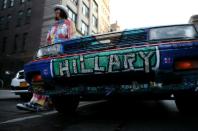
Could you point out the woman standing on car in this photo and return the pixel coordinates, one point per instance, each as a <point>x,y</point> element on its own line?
<point>63,29</point>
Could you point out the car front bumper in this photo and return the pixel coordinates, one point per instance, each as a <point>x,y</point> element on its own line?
<point>157,89</point>
<point>18,90</point>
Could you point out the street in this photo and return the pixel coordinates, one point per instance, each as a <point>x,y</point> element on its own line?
<point>101,115</point>
<point>98,65</point>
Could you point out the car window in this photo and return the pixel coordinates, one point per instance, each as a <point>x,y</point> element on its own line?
<point>172,32</point>
<point>108,41</point>
<point>21,75</point>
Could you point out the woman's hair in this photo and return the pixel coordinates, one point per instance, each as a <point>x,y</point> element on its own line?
<point>62,14</point>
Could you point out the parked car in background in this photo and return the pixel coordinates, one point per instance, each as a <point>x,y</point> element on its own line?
<point>20,87</point>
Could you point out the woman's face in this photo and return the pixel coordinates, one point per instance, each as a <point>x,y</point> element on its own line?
<point>57,14</point>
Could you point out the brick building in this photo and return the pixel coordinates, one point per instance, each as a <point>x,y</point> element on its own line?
<point>24,25</point>
<point>20,29</point>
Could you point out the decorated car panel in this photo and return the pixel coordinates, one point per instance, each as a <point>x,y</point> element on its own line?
<point>163,57</point>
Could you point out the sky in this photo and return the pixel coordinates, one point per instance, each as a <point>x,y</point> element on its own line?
<point>145,13</point>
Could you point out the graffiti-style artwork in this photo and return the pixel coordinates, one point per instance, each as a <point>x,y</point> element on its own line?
<point>159,59</point>
<point>124,60</point>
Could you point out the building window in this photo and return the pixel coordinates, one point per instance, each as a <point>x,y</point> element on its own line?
<point>95,6</point>
<point>85,10</point>
<point>95,21</point>
<point>15,43</point>
<point>75,1</point>
<point>72,15</point>
<point>84,28</point>
<point>22,1</point>
<point>4,44</point>
<point>9,18</point>
<point>4,4</point>
<point>28,16</point>
<point>25,35</point>
<point>20,18</point>
<point>2,21</point>
<point>11,3</point>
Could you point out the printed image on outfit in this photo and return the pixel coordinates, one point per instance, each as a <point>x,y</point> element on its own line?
<point>62,30</point>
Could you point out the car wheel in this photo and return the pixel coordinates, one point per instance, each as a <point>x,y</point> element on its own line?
<point>26,97</point>
<point>65,104</point>
<point>186,103</point>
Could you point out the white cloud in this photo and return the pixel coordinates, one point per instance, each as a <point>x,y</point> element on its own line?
<point>144,13</point>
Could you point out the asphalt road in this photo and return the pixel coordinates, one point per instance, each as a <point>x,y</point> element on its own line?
<point>107,116</point>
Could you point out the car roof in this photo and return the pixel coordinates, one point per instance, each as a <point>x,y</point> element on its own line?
<point>20,71</point>
<point>98,36</point>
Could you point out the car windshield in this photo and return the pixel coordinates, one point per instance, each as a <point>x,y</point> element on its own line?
<point>50,50</point>
<point>21,75</point>
<point>173,32</point>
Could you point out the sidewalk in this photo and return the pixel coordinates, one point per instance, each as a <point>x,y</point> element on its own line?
<point>6,94</point>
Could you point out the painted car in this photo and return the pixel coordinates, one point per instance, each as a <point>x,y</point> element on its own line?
<point>156,62</point>
<point>19,86</point>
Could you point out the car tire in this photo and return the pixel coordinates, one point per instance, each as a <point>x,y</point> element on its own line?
<point>26,96</point>
<point>186,103</point>
<point>65,104</point>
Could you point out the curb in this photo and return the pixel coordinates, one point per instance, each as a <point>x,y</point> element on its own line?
<point>7,95</point>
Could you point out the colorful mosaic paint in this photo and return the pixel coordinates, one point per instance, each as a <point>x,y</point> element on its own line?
<point>130,59</point>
